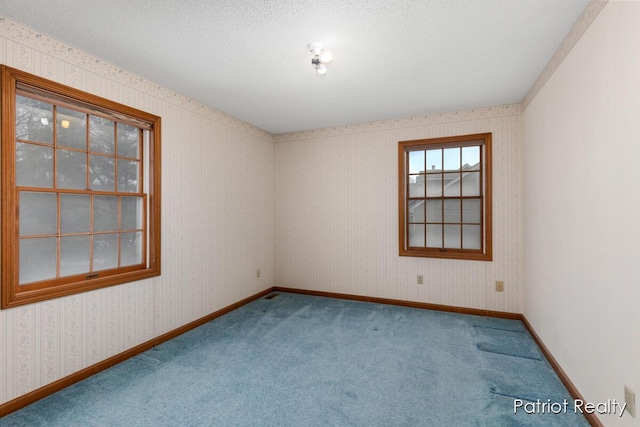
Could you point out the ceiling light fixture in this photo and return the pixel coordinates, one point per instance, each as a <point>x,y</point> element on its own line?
<point>320,57</point>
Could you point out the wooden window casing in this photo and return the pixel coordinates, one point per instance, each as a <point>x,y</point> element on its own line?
<point>439,219</point>
<point>131,201</point>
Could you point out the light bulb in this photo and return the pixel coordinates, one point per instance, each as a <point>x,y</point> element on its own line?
<point>321,69</point>
<point>326,56</point>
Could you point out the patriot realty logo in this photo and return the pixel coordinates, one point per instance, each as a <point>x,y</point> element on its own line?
<point>611,406</point>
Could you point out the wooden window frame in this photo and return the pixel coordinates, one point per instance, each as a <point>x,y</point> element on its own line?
<point>14,82</point>
<point>404,148</point>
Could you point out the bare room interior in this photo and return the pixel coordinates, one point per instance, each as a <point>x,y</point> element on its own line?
<point>279,171</point>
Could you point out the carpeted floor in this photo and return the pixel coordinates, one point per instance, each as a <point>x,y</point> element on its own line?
<point>297,360</point>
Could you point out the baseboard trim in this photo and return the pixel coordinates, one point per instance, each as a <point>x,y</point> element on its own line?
<point>405,303</point>
<point>571,388</point>
<point>44,391</point>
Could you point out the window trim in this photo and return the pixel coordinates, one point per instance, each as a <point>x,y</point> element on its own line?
<point>13,81</point>
<point>404,147</point>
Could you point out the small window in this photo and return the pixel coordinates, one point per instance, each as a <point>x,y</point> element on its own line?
<point>80,191</point>
<point>445,197</point>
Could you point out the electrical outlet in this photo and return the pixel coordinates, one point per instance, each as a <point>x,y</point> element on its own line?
<point>420,279</point>
<point>258,273</point>
<point>630,399</point>
<point>499,286</point>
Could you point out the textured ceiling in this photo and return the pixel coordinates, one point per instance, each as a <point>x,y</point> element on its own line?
<point>249,58</point>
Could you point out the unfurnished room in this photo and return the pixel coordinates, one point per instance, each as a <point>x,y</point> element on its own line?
<point>319,213</point>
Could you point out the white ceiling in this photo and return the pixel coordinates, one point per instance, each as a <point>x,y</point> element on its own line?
<point>249,58</point>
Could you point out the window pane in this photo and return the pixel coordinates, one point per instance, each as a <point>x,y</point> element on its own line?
<point>128,176</point>
<point>131,248</point>
<point>434,211</point>
<point>34,166</point>
<point>434,185</point>
<point>128,141</point>
<point>434,236</point>
<point>72,169</point>
<point>452,211</point>
<point>471,211</point>
<point>101,135</point>
<point>38,213</point>
<point>451,159</point>
<point>131,213</point>
<point>34,120</point>
<point>37,259</point>
<point>471,184</point>
<point>105,251</point>
<point>452,236</point>
<point>434,160</point>
<point>416,211</point>
<point>71,128</point>
<point>102,177</point>
<point>75,213</point>
<point>452,184</point>
<point>470,157</point>
<point>416,186</point>
<point>416,161</point>
<point>74,255</point>
<point>471,237</point>
<point>105,213</point>
<point>416,235</point>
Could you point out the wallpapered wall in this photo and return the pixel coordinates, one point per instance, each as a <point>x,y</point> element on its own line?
<point>337,213</point>
<point>217,226</point>
<point>581,198</point>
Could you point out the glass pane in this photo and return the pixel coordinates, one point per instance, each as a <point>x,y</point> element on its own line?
<point>131,213</point>
<point>71,128</point>
<point>471,237</point>
<point>434,185</point>
<point>105,251</point>
<point>452,236</point>
<point>434,160</point>
<point>470,157</point>
<point>434,210</point>
<point>131,248</point>
<point>471,184</point>
<point>416,186</point>
<point>416,211</point>
<point>451,184</point>
<point>74,255</point>
<point>128,174</point>
<point>75,213</point>
<point>72,169</point>
<point>105,213</point>
<point>434,236</point>
<point>471,211</point>
<point>416,235</point>
<point>34,166</point>
<point>37,259</point>
<point>102,177</point>
<point>451,159</point>
<point>416,161</point>
<point>128,141</point>
<point>34,120</point>
<point>452,211</point>
<point>38,213</point>
<point>101,135</point>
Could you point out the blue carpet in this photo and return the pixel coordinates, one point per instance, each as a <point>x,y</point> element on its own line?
<point>297,360</point>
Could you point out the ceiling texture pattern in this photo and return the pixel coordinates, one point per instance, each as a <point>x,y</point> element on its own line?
<point>249,58</point>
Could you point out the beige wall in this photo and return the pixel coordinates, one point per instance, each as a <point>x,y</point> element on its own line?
<point>582,209</point>
<point>217,226</point>
<point>337,213</point>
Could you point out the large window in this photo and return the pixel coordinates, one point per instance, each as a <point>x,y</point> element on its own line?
<point>445,197</point>
<point>80,191</point>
